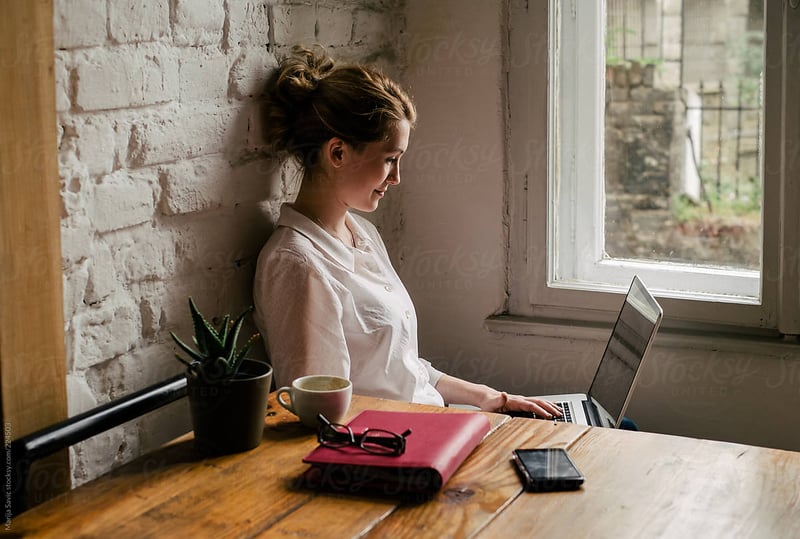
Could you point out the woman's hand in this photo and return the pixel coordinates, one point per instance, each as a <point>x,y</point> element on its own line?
<point>504,402</point>
<point>458,391</point>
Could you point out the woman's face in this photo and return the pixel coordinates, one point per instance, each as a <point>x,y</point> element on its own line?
<point>367,173</point>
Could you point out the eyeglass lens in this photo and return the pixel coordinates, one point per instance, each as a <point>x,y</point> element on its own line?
<point>377,441</point>
<point>381,441</point>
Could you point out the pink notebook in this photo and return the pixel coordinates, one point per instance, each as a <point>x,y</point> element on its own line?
<point>436,447</point>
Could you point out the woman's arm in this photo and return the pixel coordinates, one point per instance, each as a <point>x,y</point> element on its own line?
<point>458,391</point>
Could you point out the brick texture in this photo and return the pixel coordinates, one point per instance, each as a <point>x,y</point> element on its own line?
<point>79,23</point>
<point>167,189</point>
<point>134,21</point>
<point>126,76</point>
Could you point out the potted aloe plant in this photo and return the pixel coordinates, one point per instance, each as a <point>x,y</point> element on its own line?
<point>227,391</point>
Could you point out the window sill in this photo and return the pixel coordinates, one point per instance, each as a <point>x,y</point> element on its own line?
<point>699,337</point>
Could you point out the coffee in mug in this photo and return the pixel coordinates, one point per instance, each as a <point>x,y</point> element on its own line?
<point>317,394</point>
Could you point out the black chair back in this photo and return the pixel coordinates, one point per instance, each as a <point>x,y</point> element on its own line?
<point>24,451</point>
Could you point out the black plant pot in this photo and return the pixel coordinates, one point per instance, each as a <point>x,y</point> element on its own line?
<point>228,417</point>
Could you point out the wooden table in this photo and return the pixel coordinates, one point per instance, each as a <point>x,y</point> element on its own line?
<point>637,485</point>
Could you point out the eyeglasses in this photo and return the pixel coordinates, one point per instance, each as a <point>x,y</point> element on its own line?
<point>375,441</point>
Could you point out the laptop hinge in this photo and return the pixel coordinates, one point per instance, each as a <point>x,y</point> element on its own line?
<point>592,415</point>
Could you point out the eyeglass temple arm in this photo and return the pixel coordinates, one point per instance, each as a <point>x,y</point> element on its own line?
<point>324,420</point>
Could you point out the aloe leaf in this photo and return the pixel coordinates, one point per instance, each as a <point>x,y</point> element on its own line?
<point>200,328</point>
<point>242,354</point>
<point>179,358</point>
<point>216,355</point>
<point>246,348</point>
<point>208,342</point>
<point>186,348</point>
<point>230,349</point>
<point>224,330</point>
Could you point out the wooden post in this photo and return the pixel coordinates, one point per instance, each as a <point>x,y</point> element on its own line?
<point>32,358</point>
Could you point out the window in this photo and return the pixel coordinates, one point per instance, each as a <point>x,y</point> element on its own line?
<point>652,152</point>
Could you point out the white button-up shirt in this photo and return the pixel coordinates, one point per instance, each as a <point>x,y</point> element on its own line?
<point>326,308</point>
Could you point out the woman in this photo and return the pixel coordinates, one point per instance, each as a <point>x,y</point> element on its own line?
<point>327,298</point>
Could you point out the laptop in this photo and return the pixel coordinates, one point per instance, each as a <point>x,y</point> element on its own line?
<point>605,403</point>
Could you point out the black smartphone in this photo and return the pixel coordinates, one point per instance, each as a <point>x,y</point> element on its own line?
<point>547,469</point>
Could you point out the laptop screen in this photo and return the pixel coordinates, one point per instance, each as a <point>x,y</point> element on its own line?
<point>633,331</point>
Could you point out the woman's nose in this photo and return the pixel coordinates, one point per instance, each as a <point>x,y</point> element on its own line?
<point>394,174</point>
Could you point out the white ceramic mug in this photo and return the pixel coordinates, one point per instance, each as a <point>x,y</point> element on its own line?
<point>317,394</point>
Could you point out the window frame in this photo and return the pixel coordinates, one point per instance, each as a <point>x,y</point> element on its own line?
<point>531,293</point>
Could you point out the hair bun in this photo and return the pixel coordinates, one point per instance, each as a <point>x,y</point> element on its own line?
<point>309,100</point>
<point>302,72</point>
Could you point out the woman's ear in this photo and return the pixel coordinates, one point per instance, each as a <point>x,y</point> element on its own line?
<point>335,152</point>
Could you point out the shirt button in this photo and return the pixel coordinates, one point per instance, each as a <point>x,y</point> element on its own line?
<point>408,314</point>
<point>388,288</point>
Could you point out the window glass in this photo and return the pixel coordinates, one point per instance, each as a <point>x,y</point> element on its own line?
<point>683,128</point>
<point>646,98</point>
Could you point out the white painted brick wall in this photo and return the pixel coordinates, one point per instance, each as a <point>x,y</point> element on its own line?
<point>123,199</point>
<point>333,26</point>
<point>198,22</point>
<point>79,23</point>
<point>95,143</point>
<point>133,21</point>
<point>62,82</point>
<point>101,274</point>
<point>203,74</point>
<point>249,72</point>
<point>106,331</point>
<point>181,133</point>
<point>126,76</point>
<point>166,188</point>
<point>193,185</point>
<point>294,23</point>
<point>248,24</point>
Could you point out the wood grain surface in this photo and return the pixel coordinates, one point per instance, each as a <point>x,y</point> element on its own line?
<point>637,485</point>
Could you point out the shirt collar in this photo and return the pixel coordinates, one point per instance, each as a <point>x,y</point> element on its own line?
<point>325,242</point>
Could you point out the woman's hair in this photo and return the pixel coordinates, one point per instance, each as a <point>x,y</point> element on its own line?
<point>311,99</point>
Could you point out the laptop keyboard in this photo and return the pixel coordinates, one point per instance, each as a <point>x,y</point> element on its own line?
<point>567,417</point>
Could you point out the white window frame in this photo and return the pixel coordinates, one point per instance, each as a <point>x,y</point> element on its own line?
<point>537,290</point>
